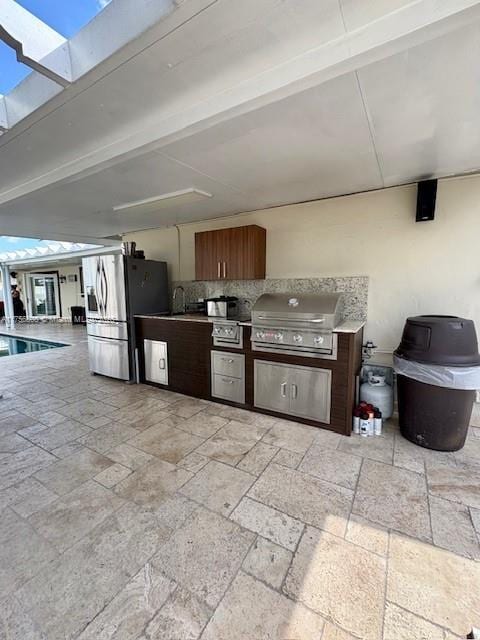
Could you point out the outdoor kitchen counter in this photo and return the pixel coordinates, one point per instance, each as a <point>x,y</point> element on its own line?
<point>193,317</point>
<point>189,360</point>
<point>348,326</point>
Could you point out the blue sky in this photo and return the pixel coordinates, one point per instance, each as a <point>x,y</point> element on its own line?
<point>9,243</point>
<point>65,16</point>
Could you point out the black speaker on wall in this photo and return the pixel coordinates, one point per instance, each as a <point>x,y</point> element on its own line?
<point>426,197</point>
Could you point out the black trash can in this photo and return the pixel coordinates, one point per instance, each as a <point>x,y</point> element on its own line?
<point>438,371</point>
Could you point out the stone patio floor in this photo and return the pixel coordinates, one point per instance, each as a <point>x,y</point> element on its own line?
<point>129,512</point>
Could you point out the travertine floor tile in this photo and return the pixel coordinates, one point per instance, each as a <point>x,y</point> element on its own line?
<point>16,467</point>
<point>393,497</point>
<point>403,625</point>
<point>475,515</point>
<point>129,456</point>
<point>268,562</point>
<point>230,443</point>
<point>257,458</point>
<point>412,457</point>
<point>15,422</point>
<point>459,484</point>
<point>132,608</point>
<point>151,484</point>
<point>186,407</point>
<point>218,487</point>
<point>113,475</point>
<point>204,555</point>
<point>367,534</point>
<point>23,553</point>
<point>332,632</point>
<point>67,450</point>
<point>269,523</point>
<point>304,497</point>
<point>107,437</point>
<point>65,475</point>
<point>333,466</point>
<point>74,588</point>
<point>52,437</point>
<point>166,442</point>
<point>250,610</point>
<point>193,462</point>
<point>290,435</point>
<point>183,617</point>
<point>341,581</point>
<point>15,624</point>
<point>68,519</point>
<point>434,584</point>
<point>26,497</point>
<point>288,458</point>
<point>203,424</point>
<point>13,443</point>
<point>452,528</point>
<point>379,448</point>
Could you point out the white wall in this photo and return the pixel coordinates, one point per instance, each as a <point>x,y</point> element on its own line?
<point>414,268</point>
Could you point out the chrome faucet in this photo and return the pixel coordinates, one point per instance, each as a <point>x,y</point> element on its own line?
<point>175,291</point>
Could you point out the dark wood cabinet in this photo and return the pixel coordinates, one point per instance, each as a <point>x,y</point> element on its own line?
<point>238,253</point>
<point>187,346</point>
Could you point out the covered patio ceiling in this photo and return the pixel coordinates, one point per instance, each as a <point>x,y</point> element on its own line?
<point>256,104</point>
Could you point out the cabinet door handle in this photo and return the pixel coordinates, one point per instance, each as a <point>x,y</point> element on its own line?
<point>283,389</point>
<point>229,360</point>
<point>227,381</point>
<point>218,269</point>
<point>224,269</point>
<point>294,391</point>
<point>161,363</point>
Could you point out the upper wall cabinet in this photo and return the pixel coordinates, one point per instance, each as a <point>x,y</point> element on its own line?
<point>231,254</point>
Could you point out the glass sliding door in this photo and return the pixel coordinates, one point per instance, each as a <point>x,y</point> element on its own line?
<point>43,300</point>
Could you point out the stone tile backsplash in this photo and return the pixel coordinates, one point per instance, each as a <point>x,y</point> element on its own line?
<point>355,289</point>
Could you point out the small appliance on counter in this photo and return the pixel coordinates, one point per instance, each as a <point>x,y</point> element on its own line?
<point>222,307</point>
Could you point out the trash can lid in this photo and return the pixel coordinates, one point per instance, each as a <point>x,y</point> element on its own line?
<point>440,340</point>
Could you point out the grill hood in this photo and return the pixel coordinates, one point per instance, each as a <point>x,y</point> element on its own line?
<point>293,307</point>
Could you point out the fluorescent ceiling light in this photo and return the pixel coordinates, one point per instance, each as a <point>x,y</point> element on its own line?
<point>165,201</point>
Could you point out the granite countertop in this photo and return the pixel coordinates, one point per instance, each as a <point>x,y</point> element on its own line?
<point>348,326</point>
<point>193,317</point>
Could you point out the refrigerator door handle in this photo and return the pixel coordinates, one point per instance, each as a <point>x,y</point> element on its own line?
<point>105,290</point>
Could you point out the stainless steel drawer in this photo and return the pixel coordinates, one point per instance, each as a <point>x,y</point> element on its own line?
<point>228,364</point>
<point>228,388</point>
<point>109,357</point>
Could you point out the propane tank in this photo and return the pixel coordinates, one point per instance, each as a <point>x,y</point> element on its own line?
<point>377,392</point>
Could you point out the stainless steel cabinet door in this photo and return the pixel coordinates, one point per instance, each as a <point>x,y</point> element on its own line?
<point>109,357</point>
<point>310,393</point>
<point>271,386</point>
<point>156,361</point>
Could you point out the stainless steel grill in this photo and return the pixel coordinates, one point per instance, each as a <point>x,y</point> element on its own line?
<point>300,324</point>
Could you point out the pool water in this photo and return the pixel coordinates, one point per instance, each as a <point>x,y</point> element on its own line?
<point>13,346</point>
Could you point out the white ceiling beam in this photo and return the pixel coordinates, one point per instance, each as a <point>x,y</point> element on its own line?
<point>412,25</point>
<point>36,44</point>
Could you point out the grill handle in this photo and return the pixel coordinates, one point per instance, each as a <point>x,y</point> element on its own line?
<point>292,319</point>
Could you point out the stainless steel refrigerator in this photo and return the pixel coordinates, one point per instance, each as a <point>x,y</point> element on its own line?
<point>117,288</point>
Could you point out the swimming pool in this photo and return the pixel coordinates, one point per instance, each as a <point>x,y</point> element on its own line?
<point>11,346</point>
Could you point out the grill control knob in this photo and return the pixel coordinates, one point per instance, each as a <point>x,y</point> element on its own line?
<point>228,332</point>
<point>318,340</point>
<point>279,336</point>
<point>260,335</point>
<point>217,330</point>
<point>297,338</point>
